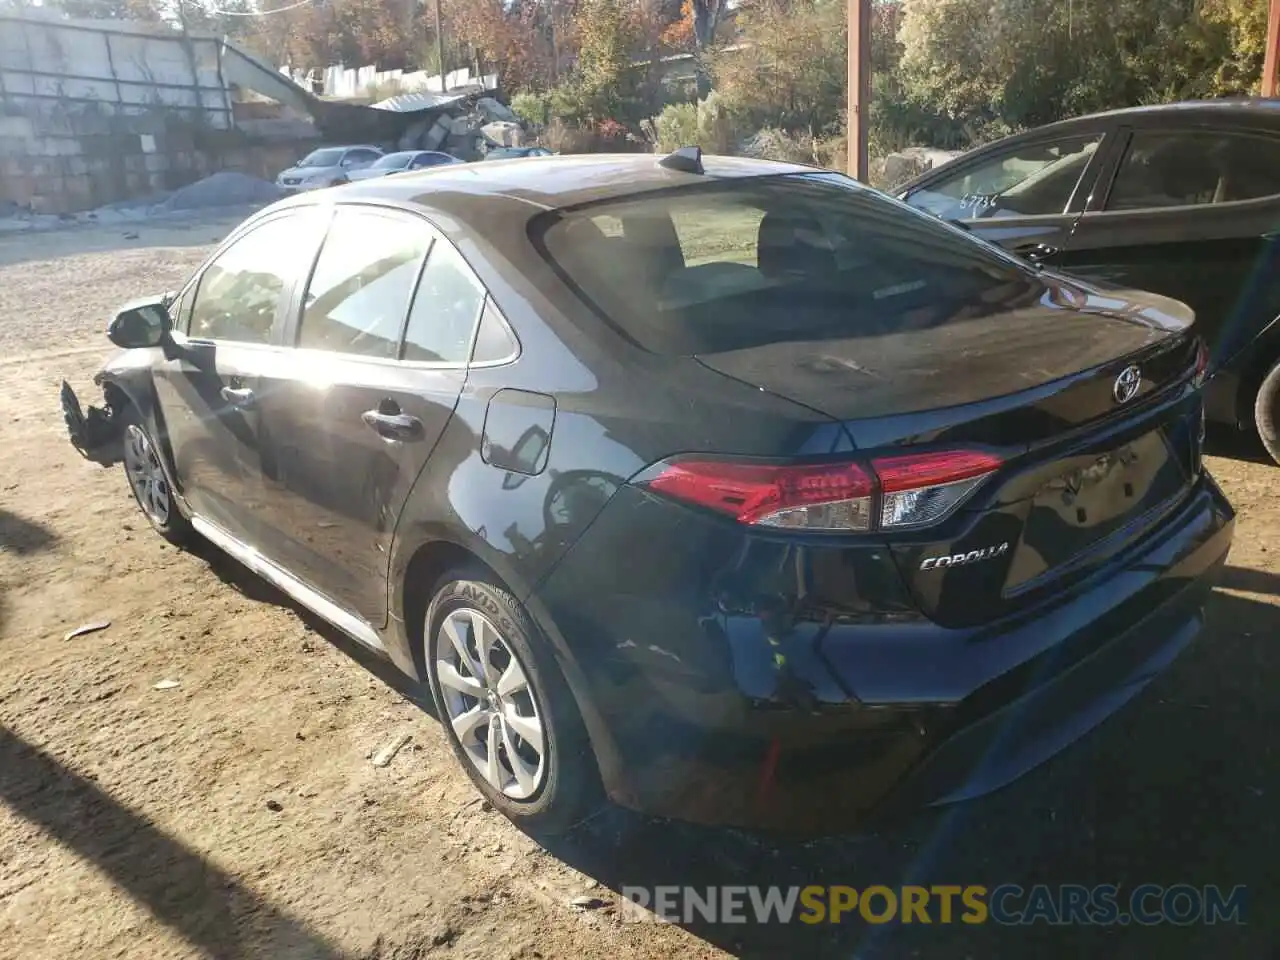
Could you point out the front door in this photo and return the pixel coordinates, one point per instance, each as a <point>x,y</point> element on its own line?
<point>1191,214</point>
<point>208,389</point>
<point>1024,196</point>
<point>352,414</point>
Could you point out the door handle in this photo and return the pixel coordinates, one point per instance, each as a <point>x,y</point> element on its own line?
<point>239,397</point>
<point>1037,252</point>
<point>393,426</point>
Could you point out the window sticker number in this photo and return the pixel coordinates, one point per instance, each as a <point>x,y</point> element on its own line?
<point>977,201</point>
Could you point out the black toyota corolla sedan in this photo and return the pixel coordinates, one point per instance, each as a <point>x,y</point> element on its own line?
<point>734,488</point>
<point>1181,199</point>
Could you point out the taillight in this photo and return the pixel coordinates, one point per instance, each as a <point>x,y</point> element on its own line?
<point>1202,361</point>
<point>890,493</point>
<point>923,488</point>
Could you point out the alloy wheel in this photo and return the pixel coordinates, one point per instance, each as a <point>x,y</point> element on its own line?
<point>490,703</point>
<point>146,475</point>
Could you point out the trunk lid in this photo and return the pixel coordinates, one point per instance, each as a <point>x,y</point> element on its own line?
<point>1089,462</point>
<point>1039,359</point>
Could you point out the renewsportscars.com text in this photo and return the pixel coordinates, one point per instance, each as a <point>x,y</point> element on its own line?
<point>1008,904</point>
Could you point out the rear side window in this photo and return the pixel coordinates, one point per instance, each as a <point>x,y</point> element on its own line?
<point>743,263</point>
<point>494,342</point>
<point>1194,168</point>
<point>359,292</point>
<point>445,309</point>
<point>243,289</point>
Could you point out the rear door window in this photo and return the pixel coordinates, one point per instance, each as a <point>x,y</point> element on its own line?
<point>1035,179</point>
<point>736,264</point>
<point>1194,168</point>
<point>359,293</point>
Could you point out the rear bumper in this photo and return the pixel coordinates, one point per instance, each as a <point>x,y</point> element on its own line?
<point>701,709</point>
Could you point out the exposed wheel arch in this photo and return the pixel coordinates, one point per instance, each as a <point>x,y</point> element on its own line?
<point>422,577</point>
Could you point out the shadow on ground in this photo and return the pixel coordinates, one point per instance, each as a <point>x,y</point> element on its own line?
<point>203,904</point>
<point>1224,441</point>
<point>1179,787</point>
<point>253,587</point>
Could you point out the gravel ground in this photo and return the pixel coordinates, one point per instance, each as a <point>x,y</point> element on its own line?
<point>237,813</point>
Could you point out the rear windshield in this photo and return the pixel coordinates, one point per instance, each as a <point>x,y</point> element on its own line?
<point>743,263</point>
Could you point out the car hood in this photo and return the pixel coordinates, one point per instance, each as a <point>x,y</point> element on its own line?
<point>978,352</point>
<point>305,172</point>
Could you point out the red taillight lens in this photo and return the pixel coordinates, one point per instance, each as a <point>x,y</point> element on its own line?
<point>1202,361</point>
<point>825,496</point>
<point>913,490</point>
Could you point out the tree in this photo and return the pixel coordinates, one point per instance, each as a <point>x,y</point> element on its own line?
<point>995,65</point>
<point>790,69</point>
<point>706,17</point>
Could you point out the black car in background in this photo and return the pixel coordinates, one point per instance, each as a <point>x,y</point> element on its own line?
<point>1181,199</point>
<point>737,488</point>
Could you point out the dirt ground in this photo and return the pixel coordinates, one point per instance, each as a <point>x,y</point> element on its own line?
<point>237,814</point>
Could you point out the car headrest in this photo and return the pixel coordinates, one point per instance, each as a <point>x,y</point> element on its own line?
<point>789,244</point>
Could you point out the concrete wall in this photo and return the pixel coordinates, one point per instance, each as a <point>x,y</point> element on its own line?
<point>53,162</point>
<point>114,67</point>
<point>93,113</point>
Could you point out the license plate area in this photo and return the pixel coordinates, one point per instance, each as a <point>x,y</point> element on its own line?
<point>1093,498</point>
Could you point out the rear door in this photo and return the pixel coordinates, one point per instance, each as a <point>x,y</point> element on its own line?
<point>1024,195</point>
<point>229,321</point>
<point>382,336</point>
<point>1190,212</point>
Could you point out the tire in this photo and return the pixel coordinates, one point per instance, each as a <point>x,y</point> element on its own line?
<point>552,790</point>
<point>1266,412</point>
<point>148,480</point>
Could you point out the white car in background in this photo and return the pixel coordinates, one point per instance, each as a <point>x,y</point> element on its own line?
<point>403,161</point>
<point>326,167</point>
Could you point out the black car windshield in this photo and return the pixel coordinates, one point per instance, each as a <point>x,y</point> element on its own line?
<point>394,161</point>
<point>743,263</point>
<point>321,158</point>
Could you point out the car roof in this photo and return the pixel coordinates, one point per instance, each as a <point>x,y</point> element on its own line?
<point>558,181</point>
<point>1227,107</point>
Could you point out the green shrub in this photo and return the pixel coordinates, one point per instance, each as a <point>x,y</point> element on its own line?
<point>533,109</point>
<point>708,124</point>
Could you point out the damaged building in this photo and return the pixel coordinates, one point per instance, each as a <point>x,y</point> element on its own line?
<point>98,112</point>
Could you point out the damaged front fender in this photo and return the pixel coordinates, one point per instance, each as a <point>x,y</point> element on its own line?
<point>97,432</point>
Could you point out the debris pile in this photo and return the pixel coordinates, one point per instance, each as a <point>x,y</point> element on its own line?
<point>466,129</point>
<point>224,189</point>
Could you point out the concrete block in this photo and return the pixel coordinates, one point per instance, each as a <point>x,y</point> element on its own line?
<point>135,163</point>
<point>19,190</point>
<point>89,123</point>
<point>79,193</point>
<point>77,166</point>
<point>19,127</point>
<point>436,135</point>
<point>156,162</point>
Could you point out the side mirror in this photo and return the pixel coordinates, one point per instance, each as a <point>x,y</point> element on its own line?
<point>142,323</point>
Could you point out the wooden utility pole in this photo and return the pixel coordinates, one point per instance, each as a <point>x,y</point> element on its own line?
<point>1271,66</point>
<point>440,47</point>
<point>860,85</point>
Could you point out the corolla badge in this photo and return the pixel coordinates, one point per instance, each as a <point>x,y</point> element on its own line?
<point>1127,384</point>
<point>960,559</point>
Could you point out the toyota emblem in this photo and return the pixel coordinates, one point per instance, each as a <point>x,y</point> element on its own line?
<point>1127,384</point>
